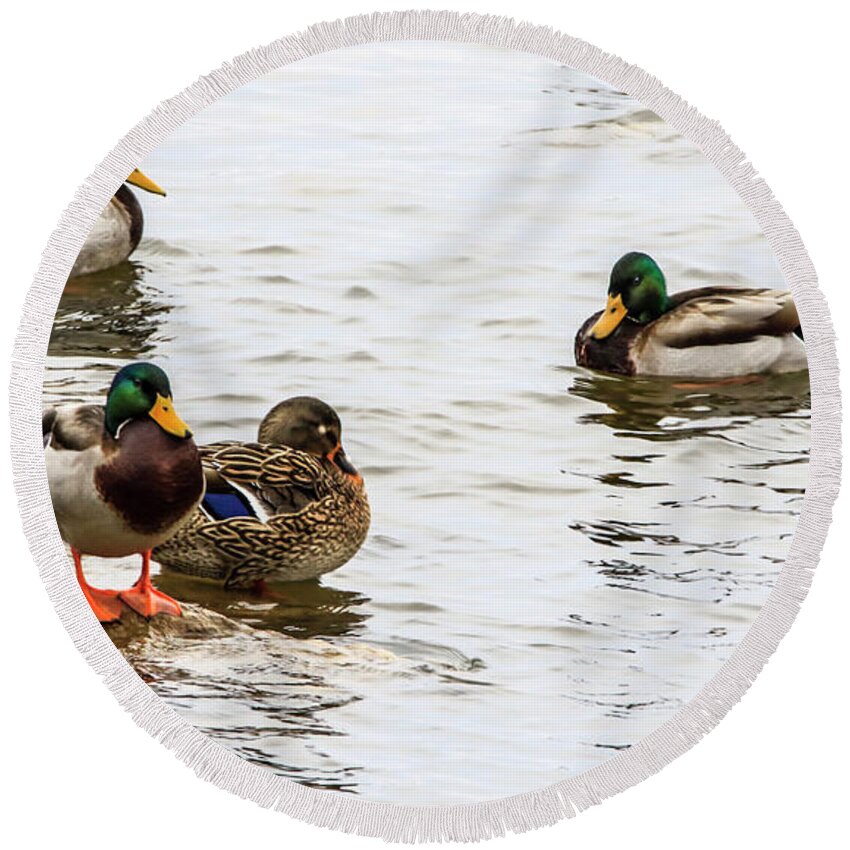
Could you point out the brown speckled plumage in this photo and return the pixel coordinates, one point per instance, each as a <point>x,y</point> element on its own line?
<point>311,518</point>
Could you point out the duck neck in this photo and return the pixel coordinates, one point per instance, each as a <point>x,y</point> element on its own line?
<point>649,302</point>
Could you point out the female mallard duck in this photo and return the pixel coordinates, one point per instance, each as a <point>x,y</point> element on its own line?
<point>122,478</point>
<point>118,231</point>
<point>711,332</point>
<point>287,508</point>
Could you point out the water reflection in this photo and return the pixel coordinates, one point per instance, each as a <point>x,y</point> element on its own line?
<point>266,696</point>
<point>113,313</point>
<point>687,544</point>
<point>659,409</point>
<point>712,585</point>
<point>305,609</point>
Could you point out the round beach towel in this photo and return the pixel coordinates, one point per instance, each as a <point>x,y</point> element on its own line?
<point>433,425</point>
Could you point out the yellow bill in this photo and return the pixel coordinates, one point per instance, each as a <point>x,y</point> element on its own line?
<point>614,313</point>
<point>166,417</point>
<point>143,182</point>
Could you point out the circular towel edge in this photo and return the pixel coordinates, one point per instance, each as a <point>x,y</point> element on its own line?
<point>392,822</point>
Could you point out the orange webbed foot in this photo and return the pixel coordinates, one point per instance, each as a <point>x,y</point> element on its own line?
<point>145,599</point>
<point>148,601</point>
<point>106,605</point>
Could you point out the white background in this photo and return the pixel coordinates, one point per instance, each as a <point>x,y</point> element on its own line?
<point>77,76</point>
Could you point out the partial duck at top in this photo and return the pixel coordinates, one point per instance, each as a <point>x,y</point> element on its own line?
<point>716,332</point>
<point>118,231</point>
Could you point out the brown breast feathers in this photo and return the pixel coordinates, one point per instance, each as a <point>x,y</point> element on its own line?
<point>612,354</point>
<point>151,478</point>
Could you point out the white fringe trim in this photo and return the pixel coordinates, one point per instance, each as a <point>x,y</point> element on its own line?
<point>213,762</point>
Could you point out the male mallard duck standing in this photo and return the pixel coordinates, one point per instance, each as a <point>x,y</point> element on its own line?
<point>123,478</point>
<point>118,231</point>
<point>290,507</point>
<point>711,332</point>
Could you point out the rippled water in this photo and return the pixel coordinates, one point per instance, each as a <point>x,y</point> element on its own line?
<point>558,560</point>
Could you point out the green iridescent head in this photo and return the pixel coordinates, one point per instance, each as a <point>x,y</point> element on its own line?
<point>140,390</point>
<point>637,290</point>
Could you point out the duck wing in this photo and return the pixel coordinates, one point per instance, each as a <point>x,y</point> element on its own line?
<point>73,429</point>
<point>257,480</point>
<point>721,315</point>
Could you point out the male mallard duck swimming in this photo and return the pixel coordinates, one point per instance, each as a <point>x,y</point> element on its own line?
<point>287,508</point>
<point>118,231</point>
<point>711,332</point>
<point>122,479</point>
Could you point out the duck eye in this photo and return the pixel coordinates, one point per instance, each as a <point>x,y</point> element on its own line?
<point>637,279</point>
